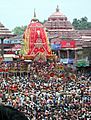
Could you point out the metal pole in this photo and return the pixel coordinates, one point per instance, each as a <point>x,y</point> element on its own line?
<point>59,54</point>
<point>75,55</point>
<point>2,47</point>
<point>68,54</point>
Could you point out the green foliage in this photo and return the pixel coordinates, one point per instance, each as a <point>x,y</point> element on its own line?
<point>81,24</point>
<point>43,21</point>
<point>19,30</point>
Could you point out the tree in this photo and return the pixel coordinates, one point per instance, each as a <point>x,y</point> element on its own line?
<point>43,21</point>
<point>19,30</point>
<point>81,24</point>
<point>76,23</point>
<point>89,25</point>
<point>84,23</point>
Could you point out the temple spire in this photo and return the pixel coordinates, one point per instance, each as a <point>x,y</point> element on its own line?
<point>34,17</point>
<point>34,13</point>
<point>57,9</point>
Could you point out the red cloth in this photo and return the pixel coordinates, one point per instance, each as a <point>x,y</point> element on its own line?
<point>68,44</point>
<point>51,74</point>
<point>1,70</point>
<point>14,87</point>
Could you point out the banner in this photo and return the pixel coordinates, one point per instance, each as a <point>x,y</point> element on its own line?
<point>70,60</point>
<point>68,44</point>
<point>55,46</point>
<point>82,63</point>
<point>17,47</point>
<point>67,61</point>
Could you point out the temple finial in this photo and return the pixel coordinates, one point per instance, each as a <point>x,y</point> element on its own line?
<point>34,17</point>
<point>34,13</point>
<point>57,9</point>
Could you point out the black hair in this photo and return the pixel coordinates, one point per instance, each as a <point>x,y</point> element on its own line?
<point>10,113</point>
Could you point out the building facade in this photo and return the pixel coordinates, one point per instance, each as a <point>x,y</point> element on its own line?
<point>5,44</point>
<point>66,42</point>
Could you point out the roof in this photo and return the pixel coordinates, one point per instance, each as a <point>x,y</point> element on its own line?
<point>57,14</point>
<point>4,32</point>
<point>58,21</point>
<point>58,24</point>
<point>18,37</point>
<point>85,32</point>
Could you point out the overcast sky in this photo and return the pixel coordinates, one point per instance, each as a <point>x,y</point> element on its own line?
<point>19,12</point>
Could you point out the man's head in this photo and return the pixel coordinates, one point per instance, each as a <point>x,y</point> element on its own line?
<point>9,113</point>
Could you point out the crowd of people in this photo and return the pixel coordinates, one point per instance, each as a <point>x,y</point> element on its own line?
<point>48,91</point>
